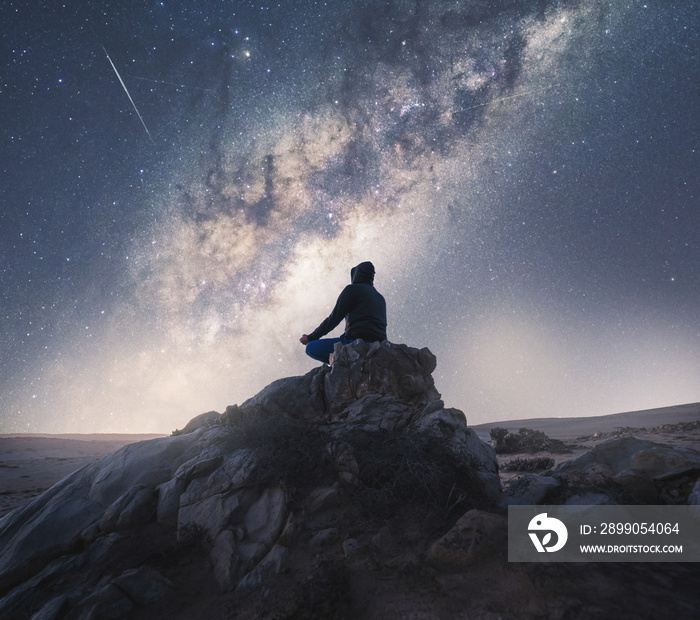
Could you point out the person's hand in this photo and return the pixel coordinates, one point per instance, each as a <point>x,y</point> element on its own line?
<point>304,339</point>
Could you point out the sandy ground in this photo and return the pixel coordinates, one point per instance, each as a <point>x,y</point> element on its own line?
<point>30,464</point>
<point>569,429</point>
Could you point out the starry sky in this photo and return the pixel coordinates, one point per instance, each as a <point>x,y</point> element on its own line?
<point>524,174</point>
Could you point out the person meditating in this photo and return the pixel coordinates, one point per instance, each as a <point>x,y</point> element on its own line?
<point>364,311</point>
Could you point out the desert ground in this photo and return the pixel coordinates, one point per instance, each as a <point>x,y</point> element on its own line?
<point>31,463</point>
<point>671,426</point>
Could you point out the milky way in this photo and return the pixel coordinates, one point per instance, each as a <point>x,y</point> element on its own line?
<point>524,176</point>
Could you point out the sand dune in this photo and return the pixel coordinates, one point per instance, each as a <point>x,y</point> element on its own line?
<point>568,429</point>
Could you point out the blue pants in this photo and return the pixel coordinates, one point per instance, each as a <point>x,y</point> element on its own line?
<point>321,349</point>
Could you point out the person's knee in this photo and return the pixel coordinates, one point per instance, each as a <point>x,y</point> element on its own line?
<point>314,350</point>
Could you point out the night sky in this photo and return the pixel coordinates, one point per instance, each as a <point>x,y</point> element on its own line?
<point>523,174</point>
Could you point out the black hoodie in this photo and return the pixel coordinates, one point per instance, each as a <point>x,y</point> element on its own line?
<point>362,307</point>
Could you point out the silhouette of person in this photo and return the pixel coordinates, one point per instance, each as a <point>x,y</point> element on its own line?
<point>364,311</point>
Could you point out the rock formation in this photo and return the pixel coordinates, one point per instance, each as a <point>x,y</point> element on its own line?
<point>623,470</point>
<point>348,492</point>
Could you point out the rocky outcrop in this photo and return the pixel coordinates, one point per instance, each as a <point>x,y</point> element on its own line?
<point>248,484</point>
<point>624,470</point>
<point>56,521</point>
<point>348,492</point>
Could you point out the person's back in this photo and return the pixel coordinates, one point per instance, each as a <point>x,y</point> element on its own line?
<point>364,310</point>
<point>366,318</point>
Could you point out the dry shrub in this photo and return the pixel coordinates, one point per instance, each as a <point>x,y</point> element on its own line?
<point>408,474</point>
<point>288,453</point>
<point>529,464</point>
<point>525,440</point>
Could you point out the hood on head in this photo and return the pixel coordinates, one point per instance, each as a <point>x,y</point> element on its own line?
<point>362,273</point>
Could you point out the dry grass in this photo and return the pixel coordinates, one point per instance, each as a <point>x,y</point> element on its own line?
<point>409,474</point>
<point>525,440</point>
<point>535,463</point>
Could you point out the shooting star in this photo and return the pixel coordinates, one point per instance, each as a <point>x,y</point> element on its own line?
<point>129,96</point>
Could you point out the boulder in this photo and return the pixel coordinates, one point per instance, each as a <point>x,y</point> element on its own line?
<point>265,518</point>
<point>385,369</point>
<point>372,412</point>
<point>628,470</point>
<point>143,585</point>
<point>147,462</point>
<point>237,470</point>
<point>216,502</point>
<point>205,419</point>
<point>225,559</point>
<point>529,489</point>
<point>211,515</point>
<point>136,505</point>
<point>659,460</point>
<point>169,494</point>
<point>272,564</point>
<point>476,535</point>
<point>288,397</point>
<point>609,457</point>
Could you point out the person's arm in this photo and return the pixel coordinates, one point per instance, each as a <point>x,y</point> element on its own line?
<point>342,307</point>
